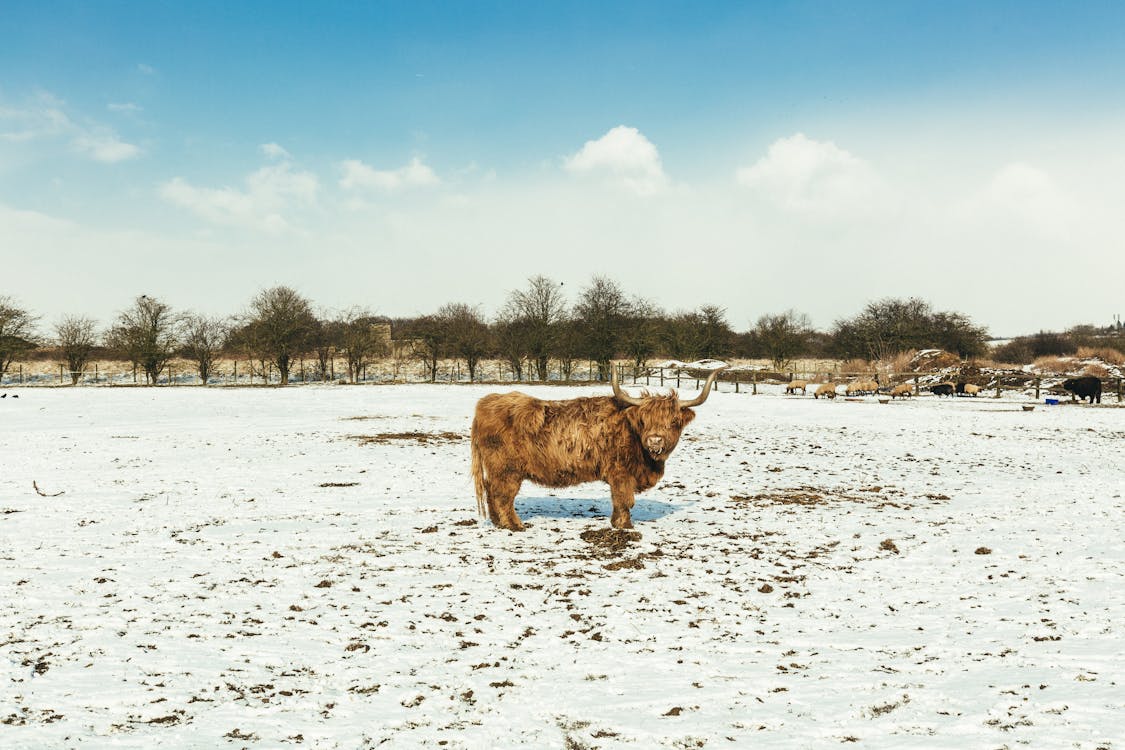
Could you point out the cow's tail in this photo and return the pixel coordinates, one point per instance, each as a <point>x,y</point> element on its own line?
<point>478,475</point>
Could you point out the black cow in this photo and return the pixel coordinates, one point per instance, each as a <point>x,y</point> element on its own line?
<point>1087,387</point>
<point>942,389</point>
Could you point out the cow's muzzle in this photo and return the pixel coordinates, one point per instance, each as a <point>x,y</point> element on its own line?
<point>655,444</point>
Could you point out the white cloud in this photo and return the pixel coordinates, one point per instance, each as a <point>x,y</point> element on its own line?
<point>41,118</point>
<point>623,156</point>
<point>274,151</point>
<point>270,192</point>
<point>104,146</point>
<point>358,175</point>
<point>803,175</point>
<point>44,119</point>
<point>127,107</point>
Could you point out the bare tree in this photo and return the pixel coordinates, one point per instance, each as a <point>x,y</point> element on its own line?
<point>603,312</point>
<point>639,338</point>
<point>510,335</point>
<point>280,327</point>
<point>888,327</point>
<point>362,337</point>
<point>428,341</point>
<point>467,335</point>
<point>146,335</point>
<point>77,336</point>
<point>326,342</point>
<point>17,332</point>
<point>203,338</point>
<point>783,336</point>
<point>541,310</point>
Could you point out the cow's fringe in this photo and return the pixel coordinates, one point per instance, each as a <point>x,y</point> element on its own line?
<point>478,477</point>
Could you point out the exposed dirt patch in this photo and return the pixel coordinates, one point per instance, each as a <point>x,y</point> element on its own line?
<point>809,496</point>
<point>339,484</point>
<point>610,540</point>
<point>419,437</point>
<point>631,563</point>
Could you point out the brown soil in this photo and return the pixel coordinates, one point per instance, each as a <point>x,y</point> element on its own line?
<point>610,540</point>
<point>419,437</point>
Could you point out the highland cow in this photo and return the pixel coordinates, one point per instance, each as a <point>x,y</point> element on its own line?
<point>942,389</point>
<point>1088,387</point>
<point>621,440</point>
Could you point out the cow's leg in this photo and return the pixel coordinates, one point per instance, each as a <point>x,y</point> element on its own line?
<point>623,500</point>
<point>502,503</point>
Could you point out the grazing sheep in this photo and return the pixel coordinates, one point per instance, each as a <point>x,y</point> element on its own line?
<point>903,390</point>
<point>828,390</point>
<point>968,389</point>
<point>795,384</point>
<point>862,388</point>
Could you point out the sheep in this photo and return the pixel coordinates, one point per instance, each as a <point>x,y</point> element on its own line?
<point>828,390</point>
<point>903,390</point>
<point>794,385</point>
<point>968,389</point>
<point>862,387</point>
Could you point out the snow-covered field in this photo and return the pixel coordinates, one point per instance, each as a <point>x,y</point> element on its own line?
<point>303,567</point>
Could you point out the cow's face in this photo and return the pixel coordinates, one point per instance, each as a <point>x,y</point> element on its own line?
<point>658,422</point>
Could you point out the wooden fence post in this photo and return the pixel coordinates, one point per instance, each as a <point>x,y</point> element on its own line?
<point>755,380</point>
<point>1038,382</point>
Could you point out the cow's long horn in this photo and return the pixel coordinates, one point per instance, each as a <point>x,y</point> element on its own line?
<point>619,394</point>
<point>706,389</point>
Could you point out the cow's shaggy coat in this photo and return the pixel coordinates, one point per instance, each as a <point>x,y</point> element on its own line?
<point>621,440</point>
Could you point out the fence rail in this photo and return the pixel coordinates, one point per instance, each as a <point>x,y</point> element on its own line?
<point>741,380</point>
<point>994,383</point>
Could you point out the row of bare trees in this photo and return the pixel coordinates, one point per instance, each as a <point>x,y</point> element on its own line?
<point>278,327</point>
<point>538,330</point>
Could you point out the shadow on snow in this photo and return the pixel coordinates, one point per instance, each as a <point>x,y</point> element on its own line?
<point>584,507</point>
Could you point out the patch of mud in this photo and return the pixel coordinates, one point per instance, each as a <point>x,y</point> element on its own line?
<point>610,540</point>
<point>808,496</point>
<point>425,438</point>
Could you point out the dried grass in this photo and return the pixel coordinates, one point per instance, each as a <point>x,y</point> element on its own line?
<point>852,366</point>
<point>1105,353</point>
<point>1098,371</point>
<point>1053,365</point>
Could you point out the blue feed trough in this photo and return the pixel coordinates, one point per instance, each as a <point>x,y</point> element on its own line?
<point>1052,401</point>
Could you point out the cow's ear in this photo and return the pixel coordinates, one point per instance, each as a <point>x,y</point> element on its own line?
<point>686,415</point>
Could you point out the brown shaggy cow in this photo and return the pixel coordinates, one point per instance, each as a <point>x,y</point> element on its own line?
<point>620,439</point>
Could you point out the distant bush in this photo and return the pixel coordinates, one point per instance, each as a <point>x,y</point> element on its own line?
<point>1015,352</point>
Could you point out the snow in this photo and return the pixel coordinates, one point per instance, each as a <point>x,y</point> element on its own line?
<point>929,573</point>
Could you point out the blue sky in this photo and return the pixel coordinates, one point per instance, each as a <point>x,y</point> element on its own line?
<point>404,155</point>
